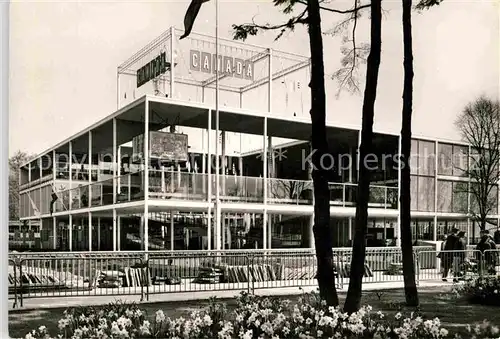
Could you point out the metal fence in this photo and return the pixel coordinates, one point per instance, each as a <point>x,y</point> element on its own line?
<point>456,265</point>
<point>56,275</point>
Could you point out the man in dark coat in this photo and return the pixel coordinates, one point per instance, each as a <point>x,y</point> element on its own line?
<point>496,237</point>
<point>487,247</point>
<point>459,256</point>
<point>447,257</point>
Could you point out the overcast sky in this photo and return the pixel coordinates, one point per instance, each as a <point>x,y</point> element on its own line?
<point>64,57</point>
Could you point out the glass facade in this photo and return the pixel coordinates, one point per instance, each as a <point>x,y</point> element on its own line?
<point>245,230</point>
<point>452,159</point>
<point>423,171</point>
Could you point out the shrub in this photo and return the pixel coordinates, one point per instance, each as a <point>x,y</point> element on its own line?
<point>482,290</point>
<point>254,317</point>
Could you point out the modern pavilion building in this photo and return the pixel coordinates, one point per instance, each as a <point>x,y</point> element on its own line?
<point>146,176</point>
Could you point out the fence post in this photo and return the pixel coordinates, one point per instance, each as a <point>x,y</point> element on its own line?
<point>20,282</point>
<point>252,270</point>
<point>249,273</point>
<point>145,271</point>
<point>481,267</point>
<point>14,265</point>
<point>417,267</point>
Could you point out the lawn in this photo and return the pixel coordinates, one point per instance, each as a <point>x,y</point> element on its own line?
<point>454,313</point>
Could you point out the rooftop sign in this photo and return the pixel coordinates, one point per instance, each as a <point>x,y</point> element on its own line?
<point>229,66</point>
<point>152,69</point>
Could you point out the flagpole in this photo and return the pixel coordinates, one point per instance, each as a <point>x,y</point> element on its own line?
<point>217,171</point>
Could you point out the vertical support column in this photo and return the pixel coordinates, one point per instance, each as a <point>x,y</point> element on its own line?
<point>119,171</point>
<point>114,161</point>
<point>265,156</point>
<point>217,173</point>
<point>172,61</point>
<point>146,172</point>
<point>224,164</point>
<point>118,89</point>
<point>70,163</point>
<point>29,171</point>
<point>397,232</point>
<point>209,175</point>
<point>90,231</point>
<point>114,230</point>
<point>203,161</point>
<point>271,175</point>
<point>141,231</point>
<point>240,166</point>
<point>223,230</point>
<point>436,164</point>
<point>98,233</point>
<point>90,173</point>
<point>172,231</point>
<point>54,233</point>
<point>54,166</point>
<point>118,233</point>
<point>70,232</point>
<point>469,224</point>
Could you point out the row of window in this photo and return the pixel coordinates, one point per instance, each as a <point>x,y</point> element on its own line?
<point>452,196</point>
<point>452,159</point>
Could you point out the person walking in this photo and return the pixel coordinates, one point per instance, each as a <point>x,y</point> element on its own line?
<point>459,256</point>
<point>487,247</point>
<point>447,257</point>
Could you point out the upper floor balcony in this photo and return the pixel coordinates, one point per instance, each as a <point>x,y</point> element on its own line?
<point>195,187</point>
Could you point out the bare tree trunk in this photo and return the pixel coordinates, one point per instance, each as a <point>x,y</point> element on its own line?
<point>321,228</point>
<point>353,300</point>
<point>411,293</point>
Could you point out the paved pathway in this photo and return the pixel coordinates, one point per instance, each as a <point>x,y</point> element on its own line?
<point>62,302</point>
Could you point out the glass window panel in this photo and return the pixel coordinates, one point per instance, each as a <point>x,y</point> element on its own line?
<point>444,196</point>
<point>414,157</point>
<point>426,160</point>
<point>425,194</point>
<point>30,200</point>
<point>414,192</point>
<point>445,154</point>
<point>473,158</point>
<point>460,197</point>
<point>425,230</point>
<point>460,160</point>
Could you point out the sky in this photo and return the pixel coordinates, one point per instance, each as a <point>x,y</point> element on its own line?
<point>64,57</point>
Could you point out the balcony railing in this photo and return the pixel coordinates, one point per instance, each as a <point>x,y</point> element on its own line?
<point>194,187</point>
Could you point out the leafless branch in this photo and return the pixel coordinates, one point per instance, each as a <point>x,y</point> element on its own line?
<point>479,125</point>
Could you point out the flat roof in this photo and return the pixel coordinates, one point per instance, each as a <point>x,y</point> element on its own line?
<point>191,114</point>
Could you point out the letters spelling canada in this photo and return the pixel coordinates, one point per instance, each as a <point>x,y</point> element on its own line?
<point>206,62</point>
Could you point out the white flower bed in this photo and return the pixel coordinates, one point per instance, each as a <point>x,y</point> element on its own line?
<point>254,317</point>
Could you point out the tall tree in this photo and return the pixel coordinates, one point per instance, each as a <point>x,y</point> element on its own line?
<point>410,286</point>
<point>479,126</point>
<point>311,17</point>
<point>321,228</point>
<point>15,162</point>
<point>353,300</point>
